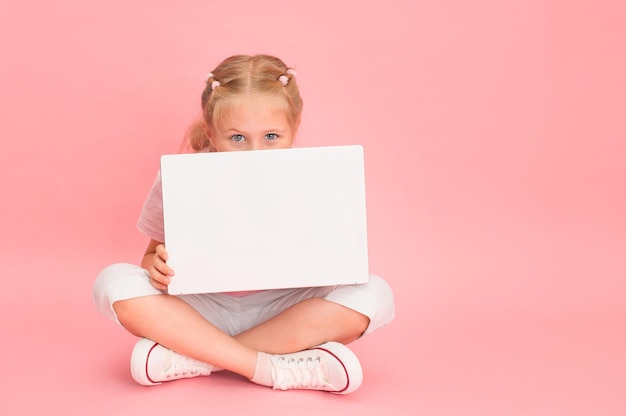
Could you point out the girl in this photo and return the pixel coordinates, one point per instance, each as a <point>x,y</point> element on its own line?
<point>286,339</point>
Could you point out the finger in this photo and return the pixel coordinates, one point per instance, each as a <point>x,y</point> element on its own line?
<point>161,259</point>
<point>163,270</point>
<point>157,284</point>
<point>162,252</point>
<point>157,273</point>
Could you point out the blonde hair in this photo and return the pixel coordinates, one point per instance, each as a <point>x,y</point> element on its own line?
<point>236,77</point>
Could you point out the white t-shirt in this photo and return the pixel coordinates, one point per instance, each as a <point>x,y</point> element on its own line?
<point>150,220</point>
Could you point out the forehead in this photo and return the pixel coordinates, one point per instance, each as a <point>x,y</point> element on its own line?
<point>252,112</point>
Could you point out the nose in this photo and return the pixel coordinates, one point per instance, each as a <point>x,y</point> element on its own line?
<point>256,144</point>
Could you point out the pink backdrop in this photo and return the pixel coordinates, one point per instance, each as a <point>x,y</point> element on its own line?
<point>495,144</point>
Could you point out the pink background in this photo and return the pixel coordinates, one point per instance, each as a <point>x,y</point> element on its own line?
<point>495,144</point>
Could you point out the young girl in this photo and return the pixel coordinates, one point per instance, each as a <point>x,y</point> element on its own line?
<point>286,339</point>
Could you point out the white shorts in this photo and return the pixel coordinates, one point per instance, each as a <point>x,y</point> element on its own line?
<point>235,314</point>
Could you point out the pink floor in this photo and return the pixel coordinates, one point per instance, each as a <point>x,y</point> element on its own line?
<point>534,356</point>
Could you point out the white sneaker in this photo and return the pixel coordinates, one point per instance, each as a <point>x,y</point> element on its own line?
<point>151,364</point>
<point>329,367</point>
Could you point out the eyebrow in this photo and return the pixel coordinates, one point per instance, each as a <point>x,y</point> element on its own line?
<point>234,130</point>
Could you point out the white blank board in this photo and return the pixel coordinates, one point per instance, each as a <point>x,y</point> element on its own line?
<point>266,219</point>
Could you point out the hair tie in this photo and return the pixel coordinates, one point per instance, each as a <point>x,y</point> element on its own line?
<point>284,79</point>
<point>214,84</point>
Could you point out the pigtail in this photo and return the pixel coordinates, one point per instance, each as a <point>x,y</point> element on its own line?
<point>196,139</point>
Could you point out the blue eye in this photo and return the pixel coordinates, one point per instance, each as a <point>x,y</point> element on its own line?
<point>271,136</point>
<point>238,138</point>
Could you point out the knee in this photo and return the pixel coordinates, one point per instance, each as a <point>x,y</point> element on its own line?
<point>380,289</point>
<point>109,277</point>
<point>373,299</point>
<point>378,303</point>
<point>117,282</point>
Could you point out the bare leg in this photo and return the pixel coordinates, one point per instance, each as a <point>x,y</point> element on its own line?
<point>174,324</point>
<point>304,325</point>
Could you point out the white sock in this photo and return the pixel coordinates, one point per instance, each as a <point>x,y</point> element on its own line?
<point>263,370</point>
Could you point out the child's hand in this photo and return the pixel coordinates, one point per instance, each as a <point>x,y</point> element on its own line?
<point>160,273</point>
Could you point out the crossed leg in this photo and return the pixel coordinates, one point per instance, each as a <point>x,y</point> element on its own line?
<point>174,324</point>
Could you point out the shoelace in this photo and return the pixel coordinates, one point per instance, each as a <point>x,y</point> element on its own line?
<point>293,373</point>
<point>181,366</point>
